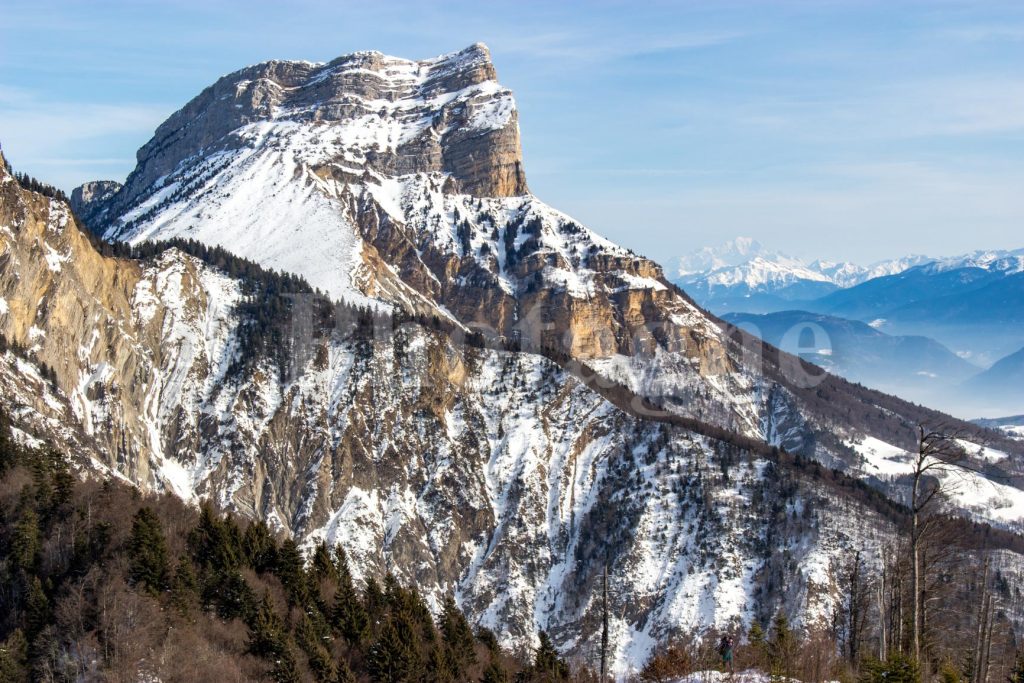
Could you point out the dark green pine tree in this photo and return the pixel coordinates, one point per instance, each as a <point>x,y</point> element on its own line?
<point>312,640</point>
<point>547,664</point>
<point>489,640</point>
<point>898,668</point>
<point>373,598</point>
<point>269,641</point>
<point>458,638</point>
<point>494,673</point>
<point>37,608</point>
<point>782,648</point>
<point>348,617</point>
<point>184,586</point>
<point>266,631</point>
<point>291,569</point>
<point>323,567</point>
<point>14,658</point>
<point>394,657</point>
<point>259,547</point>
<point>215,543</point>
<point>147,553</point>
<point>344,672</point>
<point>24,543</point>
<point>440,667</point>
<point>9,451</point>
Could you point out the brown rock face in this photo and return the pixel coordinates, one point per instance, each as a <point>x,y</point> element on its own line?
<point>447,114</point>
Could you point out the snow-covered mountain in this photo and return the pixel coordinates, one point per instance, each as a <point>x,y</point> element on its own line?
<point>971,304</point>
<point>1002,385</point>
<point>732,253</point>
<point>502,404</point>
<point>744,276</point>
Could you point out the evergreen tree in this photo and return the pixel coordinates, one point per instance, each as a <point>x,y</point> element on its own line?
<point>494,673</point>
<point>147,552</point>
<point>440,666</point>
<point>229,592</point>
<point>268,640</point>
<point>323,567</point>
<point>348,615</point>
<point>782,648</point>
<point>489,640</point>
<point>259,547</point>
<point>25,540</point>
<point>458,637</point>
<point>214,543</point>
<point>898,668</point>
<point>394,657</point>
<point>8,447</point>
<point>312,639</point>
<point>758,646</point>
<point>37,608</point>
<point>290,568</point>
<point>184,585</point>
<point>343,672</point>
<point>373,598</point>
<point>14,658</point>
<point>547,665</point>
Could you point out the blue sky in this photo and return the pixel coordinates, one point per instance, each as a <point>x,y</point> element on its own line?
<point>844,130</point>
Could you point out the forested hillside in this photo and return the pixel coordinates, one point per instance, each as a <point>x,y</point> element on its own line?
<point>101,583</point>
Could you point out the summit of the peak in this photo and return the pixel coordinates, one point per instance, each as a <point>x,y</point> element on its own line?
<point>363,110</point>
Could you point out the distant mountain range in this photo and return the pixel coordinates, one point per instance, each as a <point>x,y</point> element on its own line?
<point>1012,425</point>
<point>915,367</point>
<point>742,275</point>
<point>969,306</point>
<point>1004,380</point>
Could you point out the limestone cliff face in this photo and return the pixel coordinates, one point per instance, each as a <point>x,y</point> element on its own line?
<point>89,200</point>
<point>396,117</point>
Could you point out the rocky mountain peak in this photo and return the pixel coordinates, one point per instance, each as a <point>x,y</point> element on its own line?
<point>367,111</point>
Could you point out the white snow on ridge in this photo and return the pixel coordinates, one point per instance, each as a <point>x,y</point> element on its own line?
<point>881,458</point>
<point>970,491</point>
<point>760,272</point>
<point>744,262</point>
<point>1002,261</point>
<point>267,207</point>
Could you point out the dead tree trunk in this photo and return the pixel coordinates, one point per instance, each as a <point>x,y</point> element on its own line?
<point>979,641</point>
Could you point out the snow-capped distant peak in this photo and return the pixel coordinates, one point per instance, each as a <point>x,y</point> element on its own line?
<point>746,262</point>
<point>760,272</point>
<point>731,253</point>
<point>995,260</point>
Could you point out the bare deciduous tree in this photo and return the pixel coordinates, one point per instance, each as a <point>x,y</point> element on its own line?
<point>939,454</point>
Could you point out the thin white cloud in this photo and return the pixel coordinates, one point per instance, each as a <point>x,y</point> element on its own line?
<point>67,138</point>
<point>941,107</point>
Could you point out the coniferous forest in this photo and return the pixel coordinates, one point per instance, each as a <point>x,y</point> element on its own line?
<point>99,583</point>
